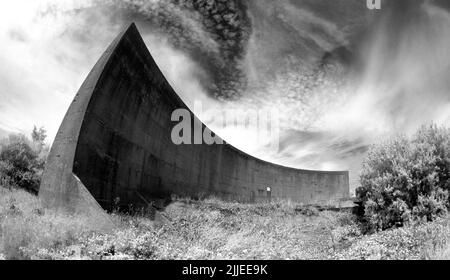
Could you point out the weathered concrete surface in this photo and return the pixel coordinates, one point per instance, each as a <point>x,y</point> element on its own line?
<point>116,138</point>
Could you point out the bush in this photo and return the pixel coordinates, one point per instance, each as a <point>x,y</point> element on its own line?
<point>21,163</point>
<point>406,179</point>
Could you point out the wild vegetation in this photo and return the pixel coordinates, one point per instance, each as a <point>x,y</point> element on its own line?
<point>404,195</point>
<point>22,160</point>
<point>406,179</point>
<point>210,229</point>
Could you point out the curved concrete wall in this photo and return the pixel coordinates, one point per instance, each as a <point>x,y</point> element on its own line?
<point>116,138</point>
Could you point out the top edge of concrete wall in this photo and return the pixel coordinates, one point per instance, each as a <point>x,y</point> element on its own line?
<point>135,35</point>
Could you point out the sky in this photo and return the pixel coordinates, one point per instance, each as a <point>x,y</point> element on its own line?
<point>341,76</point>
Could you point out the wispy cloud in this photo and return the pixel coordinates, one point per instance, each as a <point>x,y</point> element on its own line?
<point>46,51</point>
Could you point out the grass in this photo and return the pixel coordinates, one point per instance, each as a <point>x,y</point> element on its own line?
<point>421,241</point>
<point>210,229</point>
<point>25,228</point>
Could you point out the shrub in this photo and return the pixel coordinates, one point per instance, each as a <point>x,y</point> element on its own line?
<point>406,179</point>
<point>21,163</point>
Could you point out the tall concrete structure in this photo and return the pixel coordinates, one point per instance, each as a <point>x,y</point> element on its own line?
<point>115,142</point>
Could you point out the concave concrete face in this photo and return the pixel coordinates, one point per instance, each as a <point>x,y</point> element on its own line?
<point>115,142</point>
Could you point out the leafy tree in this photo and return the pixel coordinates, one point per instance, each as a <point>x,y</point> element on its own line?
<point>39,135</point>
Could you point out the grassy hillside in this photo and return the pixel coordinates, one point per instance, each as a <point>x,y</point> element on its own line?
<point>209,229</point>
